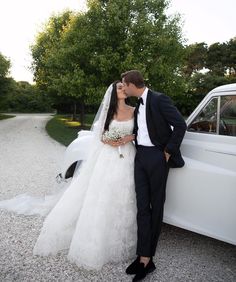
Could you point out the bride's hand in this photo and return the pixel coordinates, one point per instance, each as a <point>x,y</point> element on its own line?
<point>126,139</point>
<point>113,143</point>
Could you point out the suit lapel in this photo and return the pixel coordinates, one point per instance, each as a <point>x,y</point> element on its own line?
<point>135,121</point>
<point>149,117</point>
<point>148,113</point>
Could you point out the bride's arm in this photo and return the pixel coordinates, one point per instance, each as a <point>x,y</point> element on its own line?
<point>126,139</point>
<point>112,143</point>
<point>121,141</point>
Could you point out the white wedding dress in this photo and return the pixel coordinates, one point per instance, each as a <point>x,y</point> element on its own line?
<point>95,218</point>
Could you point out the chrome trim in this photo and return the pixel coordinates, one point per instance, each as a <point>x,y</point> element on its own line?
<point>221,152</point>
<point>218,116</point>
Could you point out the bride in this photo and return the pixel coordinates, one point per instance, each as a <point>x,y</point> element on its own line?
<point>95,218</point>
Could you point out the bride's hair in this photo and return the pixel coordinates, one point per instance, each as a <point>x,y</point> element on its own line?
<point>113,107</point>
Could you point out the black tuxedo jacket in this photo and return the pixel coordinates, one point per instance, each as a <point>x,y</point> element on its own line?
<point>161,114</point>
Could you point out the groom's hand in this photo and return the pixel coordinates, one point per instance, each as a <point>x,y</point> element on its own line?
<point>167,155</point>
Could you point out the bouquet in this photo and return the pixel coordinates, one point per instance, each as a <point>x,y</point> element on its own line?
<point>113,135</point>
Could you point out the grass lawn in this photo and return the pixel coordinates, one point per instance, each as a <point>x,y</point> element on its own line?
<point>62,130</point>
<point>2,116</point>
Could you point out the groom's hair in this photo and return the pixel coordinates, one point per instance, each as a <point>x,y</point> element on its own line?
<point>135,77</point>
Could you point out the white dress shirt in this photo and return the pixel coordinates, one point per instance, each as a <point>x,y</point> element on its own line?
<point>142,134</point>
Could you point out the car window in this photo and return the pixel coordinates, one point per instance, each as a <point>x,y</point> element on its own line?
<point>227,124</point>
<point>206,120</point>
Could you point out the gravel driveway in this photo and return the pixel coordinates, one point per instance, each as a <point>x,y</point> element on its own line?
<point>29,162</point>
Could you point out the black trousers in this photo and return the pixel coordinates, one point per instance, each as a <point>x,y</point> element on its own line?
<point>150,175</point>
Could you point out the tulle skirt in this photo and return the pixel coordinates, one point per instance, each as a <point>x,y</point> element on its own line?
<point>95,218</point>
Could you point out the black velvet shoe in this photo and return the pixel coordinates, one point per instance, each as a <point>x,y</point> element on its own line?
<point>143,271</point>
<point>133,267</point>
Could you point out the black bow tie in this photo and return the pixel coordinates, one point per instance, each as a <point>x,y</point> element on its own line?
<point>140,101</point>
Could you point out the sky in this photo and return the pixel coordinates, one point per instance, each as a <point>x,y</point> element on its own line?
<point>203,20</point>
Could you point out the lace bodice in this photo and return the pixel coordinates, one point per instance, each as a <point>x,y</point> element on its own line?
<point>125,126</point>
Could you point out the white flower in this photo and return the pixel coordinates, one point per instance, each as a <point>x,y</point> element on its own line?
<point>115,134</point>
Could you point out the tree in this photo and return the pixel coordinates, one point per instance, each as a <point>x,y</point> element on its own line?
<point>5,82</point>
<point>219,61</point>
<point>138,35</point>
<point>80,55</point>
<point>231,57</point>
<point>195,57</point>
<point>216,58</point>
<point>45,54</point>
<point>4,66</point>
<point>25,97</point>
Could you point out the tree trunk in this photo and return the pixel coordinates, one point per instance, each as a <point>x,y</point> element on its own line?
<point>74,111</point>
<point>82,112</point>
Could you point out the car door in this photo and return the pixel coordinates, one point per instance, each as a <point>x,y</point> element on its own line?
<point>201,196</point>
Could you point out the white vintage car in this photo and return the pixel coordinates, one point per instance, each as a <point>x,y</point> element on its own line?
<point>201,196</point>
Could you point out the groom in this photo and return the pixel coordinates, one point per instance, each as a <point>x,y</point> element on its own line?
<point>157,147</point>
